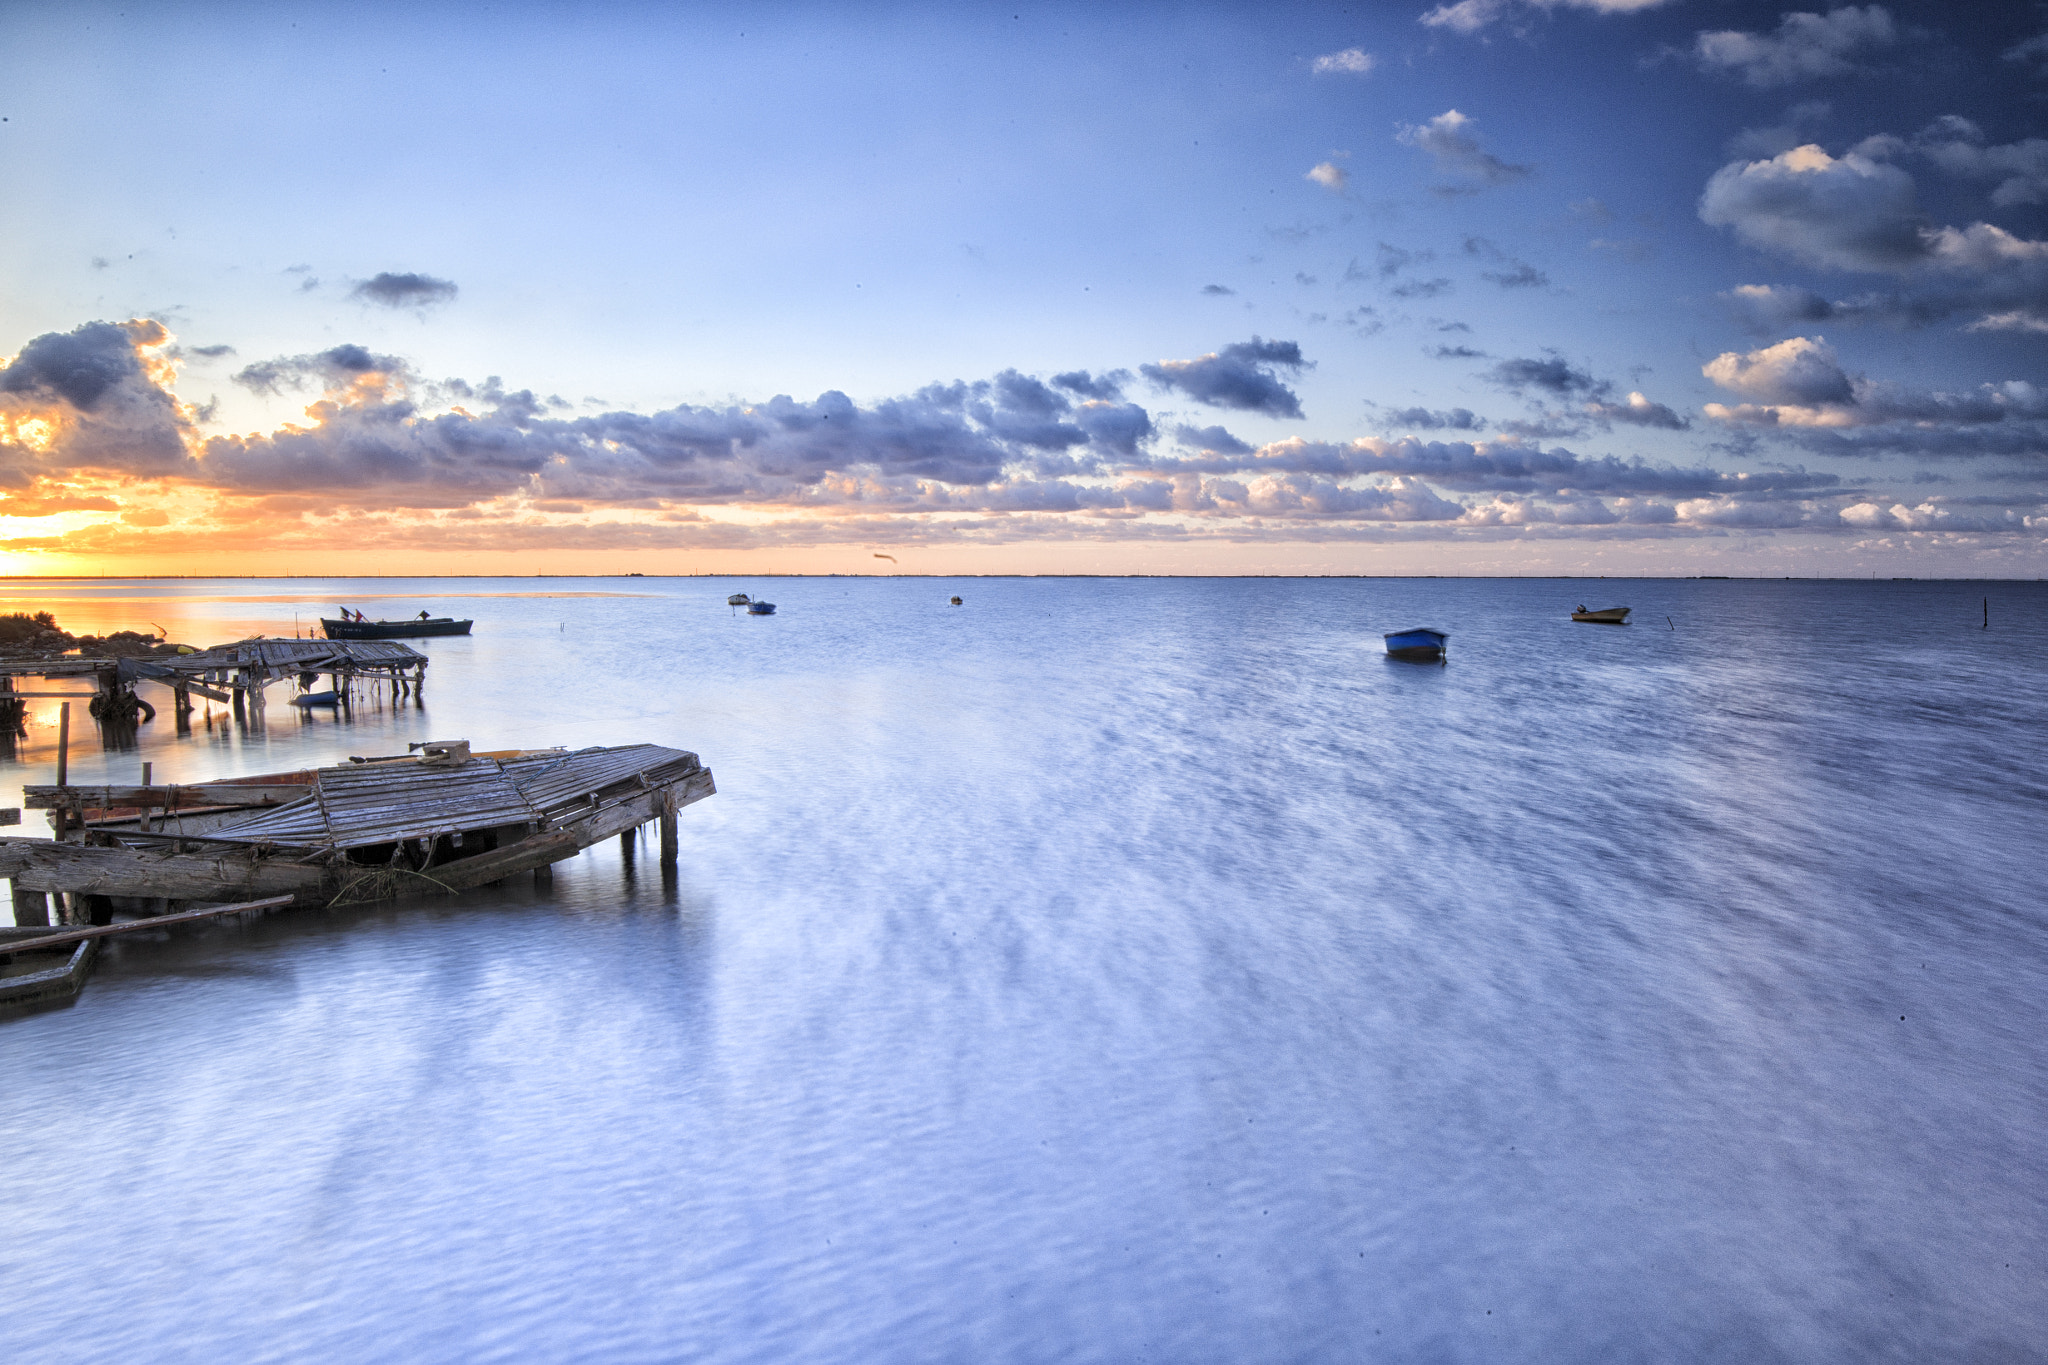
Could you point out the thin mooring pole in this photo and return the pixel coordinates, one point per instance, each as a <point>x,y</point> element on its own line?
<point>63,743</point>
<point>1987,615</point>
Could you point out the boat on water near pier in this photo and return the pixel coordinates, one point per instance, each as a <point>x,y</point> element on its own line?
<point>738,599</point>
<point>418,627</point>
<point>1606,616</point>
<point>1420,645</point>
<point>443,820</point>
<point>760,608</point>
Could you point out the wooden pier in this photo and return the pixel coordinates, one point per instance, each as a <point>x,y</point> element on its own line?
<point>369,829</point>
<point>237,675</point>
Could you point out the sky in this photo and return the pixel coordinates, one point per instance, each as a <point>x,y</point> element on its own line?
<point>1488,287</point>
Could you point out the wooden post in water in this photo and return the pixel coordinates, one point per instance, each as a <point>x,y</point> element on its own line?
<point>1987,615</point>
<point>63,743</point>
<point>668,834</point>
<point>31,908</point>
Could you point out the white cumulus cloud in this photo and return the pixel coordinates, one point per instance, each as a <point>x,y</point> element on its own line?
<point>1352,61</point>
<point>1329,175</point>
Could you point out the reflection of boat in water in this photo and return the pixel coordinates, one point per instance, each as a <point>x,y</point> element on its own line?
<point>760,608</point>
<point>394,630</point>
<point>1421,644</point>
<point>738,599</point>
<point>1606,616</point>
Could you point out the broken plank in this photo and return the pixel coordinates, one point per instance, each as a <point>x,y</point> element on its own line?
<point>159,797</point>
<point>56,940</point>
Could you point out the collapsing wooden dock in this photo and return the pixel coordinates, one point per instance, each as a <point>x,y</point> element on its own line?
<point>237,675</point>
<point>445,820</point>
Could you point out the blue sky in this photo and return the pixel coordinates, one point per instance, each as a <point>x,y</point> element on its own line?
<point>1494,287</point>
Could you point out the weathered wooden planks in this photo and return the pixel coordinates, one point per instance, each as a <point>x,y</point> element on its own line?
<point>62,937</point>
<point>43,865</point>
<point>162,797</point>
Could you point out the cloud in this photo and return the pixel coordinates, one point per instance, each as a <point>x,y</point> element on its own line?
<point>1802,371</point>
<point>1454,353</point>
<point>1214,440</point>
<point>1427,419</point>
<point>211,352</point>
<point>1218,289</point>
<point>1801,388</point>
<point>1470,16</point>
<point>2034,50</point>
<point>402,290</point>
<point>1957,146</point>
<point>95,398</point>
<point>1857,213</point>
<point>1513,274</point>
<point>1448,138</point>
<point>1393,259</point>
<point>1847,213</point>
<point>89,425</point>
<point>1805,47</point>
<point>1509,466</point>
<point>1108,387</point>
<point>1329,175</point>
<point>1239,376</point>
<point>1351,61</point>
<point>1800,126</point>
<point>1552,375</point>
<point>1637,411</point>
<point>335,368</point>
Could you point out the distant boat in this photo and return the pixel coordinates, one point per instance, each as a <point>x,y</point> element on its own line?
<point>956,601</point>
<point>1421,644</point>
<point>1607,616</point>
<point>738,599</point>
<point>760,608</point>
<point>394,630</point>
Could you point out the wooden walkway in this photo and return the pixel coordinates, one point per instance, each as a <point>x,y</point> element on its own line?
<point>236,674</point>
<point>364,830</point>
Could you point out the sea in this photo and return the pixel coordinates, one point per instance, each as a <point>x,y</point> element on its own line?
<point>1100,970</point>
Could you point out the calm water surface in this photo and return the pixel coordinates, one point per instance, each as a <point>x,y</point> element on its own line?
<point>1103,971</point>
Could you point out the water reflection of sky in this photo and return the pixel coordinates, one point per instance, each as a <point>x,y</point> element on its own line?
<point>1115,970</point>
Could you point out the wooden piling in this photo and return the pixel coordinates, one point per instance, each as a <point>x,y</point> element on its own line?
<point>31,908</point>
<point>63,743</point>
<point>668,836</point>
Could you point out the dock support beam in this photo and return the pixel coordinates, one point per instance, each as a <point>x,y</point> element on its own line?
<point>667,821</point>
<point>31,907</point>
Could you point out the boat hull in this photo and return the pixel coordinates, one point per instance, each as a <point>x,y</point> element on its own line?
<point>1609,616</point>
<point>1417,646</point>
<point>393,630</point>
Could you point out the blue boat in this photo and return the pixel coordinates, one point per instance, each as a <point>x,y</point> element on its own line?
<point>760,608</point>
<point>1420,644</point>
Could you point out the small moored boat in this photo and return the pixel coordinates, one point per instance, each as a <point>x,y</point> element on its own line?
<point>416,628</point>
<point>760,608</point>
<point>310,699</point>
<point>738,599</point>
<point>1606,616</point>
<point>1420,644</point>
